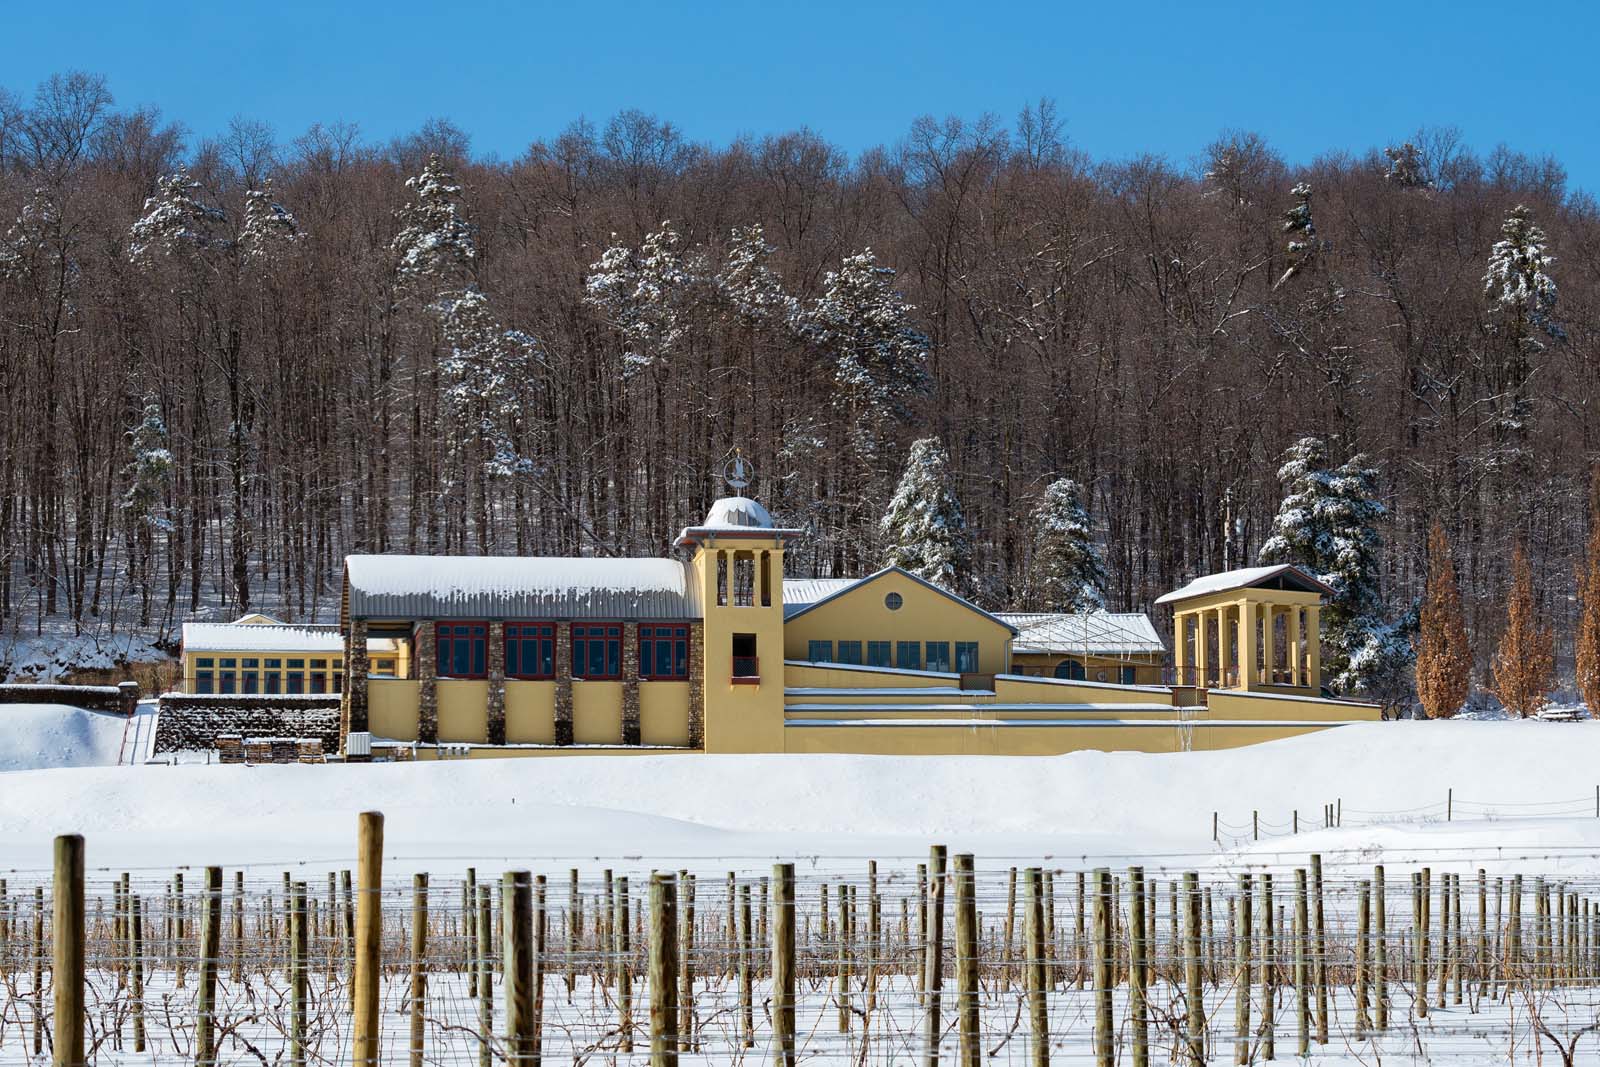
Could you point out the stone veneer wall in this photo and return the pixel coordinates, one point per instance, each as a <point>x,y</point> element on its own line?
<point>120,699</point>
<point>630,683</point>
<point>497,683</point>
<point>563,684</point>
<point>354,701</point>
<point>427,645</point>
<point>697,686</point>
<point>190,722</point>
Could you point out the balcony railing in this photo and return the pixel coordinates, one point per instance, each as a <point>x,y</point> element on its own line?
<point>746,670</point>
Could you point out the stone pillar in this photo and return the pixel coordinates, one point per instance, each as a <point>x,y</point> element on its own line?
<point>697,685</point>
<point>1247,645</point>
<point>355,677</point>
<point>630,683</point>
<point>1269,638</point>
<point>497,683</point>
<point>1313,647</point>
<point>563,683</point>
<point>1295,674</point>
<point>427,683</point>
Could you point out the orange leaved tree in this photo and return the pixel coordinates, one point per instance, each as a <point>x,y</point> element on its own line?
<point>1444,660</point>
<point>1525,661</point>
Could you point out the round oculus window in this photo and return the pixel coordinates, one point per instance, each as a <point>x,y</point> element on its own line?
<point>893,601</point>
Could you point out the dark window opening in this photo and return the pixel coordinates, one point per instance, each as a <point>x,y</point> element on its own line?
<point>967,657</point>
<point>745,663</point>
<point>462,649</point>
<point>850,652</point>
<point>820,652</point>
<point>939,656</point>
<point>597,651</point>
<point>879,654</point>
<point>664,652</point>
<point>530,650</point>
<point>908,655</point>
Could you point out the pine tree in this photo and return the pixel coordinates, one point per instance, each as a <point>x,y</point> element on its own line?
<point>1406,167</point>
<point>750,286</point>
<point>923,529</point>
<point>175,221</point>
<point>436,248</point>
<point>1524,661</point>
<point>1067,571</point>
<point>1444,659</point>
<point>1301,227</point>
<point>648,294</point>
<point>269,229</point>
<point>149,474</point>
<point>1327,525</point>
<point>1517,281</point>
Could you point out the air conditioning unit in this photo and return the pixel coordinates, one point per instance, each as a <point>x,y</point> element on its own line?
<point>358,743</point>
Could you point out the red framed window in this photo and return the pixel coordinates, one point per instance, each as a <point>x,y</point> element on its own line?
<point>664,651</point>
<point>462,649</point>
<point>530,650</point>
<point>597,650</point>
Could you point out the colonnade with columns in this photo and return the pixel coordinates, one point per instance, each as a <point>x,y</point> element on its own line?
<point>1238,644</point>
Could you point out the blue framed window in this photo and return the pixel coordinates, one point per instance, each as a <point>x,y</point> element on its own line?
<point>597,651</point>
<point>1070,669</point>
<point>819,651</point>
<point>271,675</point>
<point>879,654</point>
<point>967,657</point>
<point>908,655</point>
<point>850,652</point>
<point>939,656</point>
<point>463,649</point>
<point>204,680</point>
<point>294,677</point>
<point>530,650</point>
<point>664,652</point>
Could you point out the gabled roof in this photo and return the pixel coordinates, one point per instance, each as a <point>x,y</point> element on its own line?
<point>1101,633</point>
<point>1281,576</point>
<point>260,637</point>
<point>518,587</point>
<point>847,585</point>
<point>800,593</point>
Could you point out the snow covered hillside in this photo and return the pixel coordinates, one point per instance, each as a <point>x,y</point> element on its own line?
<point>37,736</point>
<point>742,811</point>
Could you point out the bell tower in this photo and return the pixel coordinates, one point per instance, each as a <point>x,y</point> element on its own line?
<point>737,567</point>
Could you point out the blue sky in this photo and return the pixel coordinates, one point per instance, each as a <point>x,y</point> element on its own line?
<point>1127,77</point>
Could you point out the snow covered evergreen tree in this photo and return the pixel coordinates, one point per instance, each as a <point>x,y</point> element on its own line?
<point>923,530</point>
<point>1067,572</point>
<point>484,371</point>
<point>879,359</point>
<point>753,289</point>
<point>1327,524</point>
<point>436,247</point>
<point>269,229</point>
<point>1406,168</point>
<point>149,475</point>
<point>648,294</point>
<point>1518,282</point>
<point>175,221</point>
<point>1301,227</point>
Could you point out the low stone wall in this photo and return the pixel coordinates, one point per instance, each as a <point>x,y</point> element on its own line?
<point>118,699</point>
<point>190,722</point>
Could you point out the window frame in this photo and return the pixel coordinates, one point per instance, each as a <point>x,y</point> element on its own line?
<point>612,640</point>
<point>852,658</point>
<point>542,632</point>
<point>943,647</point>
<point>900,657</point>
<point>676,638</point>
<point>963,650</point>
<point>886,648</point>
<point>477,640</point>
<point>812,647</point>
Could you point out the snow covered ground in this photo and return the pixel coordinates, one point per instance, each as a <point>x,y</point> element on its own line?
<point>55,735</point>
<point>746,811</point>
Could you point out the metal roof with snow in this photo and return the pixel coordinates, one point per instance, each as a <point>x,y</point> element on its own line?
<point>840,586</point>
<point>1280,576</point>
<point>518,587</point>
<point>801,593</point>
<point>260,637</point>
<point>1095,633</point>
<point>735,516</point>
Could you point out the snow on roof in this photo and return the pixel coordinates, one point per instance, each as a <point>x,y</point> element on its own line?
<point>1243,578</point>
<point>519,587</point>
<point>843,585</point>
<point>259,637</point>
<point>734,515</point>
<point>799,593</point>
<point>1101,633</point>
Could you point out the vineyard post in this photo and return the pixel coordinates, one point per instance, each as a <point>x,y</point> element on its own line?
<point>1193,991</point>
<point>419,956</point>
<point>483,966</point>
<point>1381,951</point>
<point>1269,977</point>
<point>1104,1049</point>
<point>516,909</point>
<point>1138,974</point>
<point>746,981</point>
<point>299,944</point>
<point>970,1051</point>
<point>1242,978</point>
<point>1302,991</point>
<point>933,960</point>
<point>368,939</point>
<point>574,930</point>
<point>1033,968</point>
<point>1363,928</point>
<point>783,969</point>
<point>67,952</point>
<point>136,965</point>
<point>622,945</point>
<point>1320,947</point>
<point>663,971</point>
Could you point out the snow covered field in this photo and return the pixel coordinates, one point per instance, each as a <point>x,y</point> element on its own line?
<point>53,735</point>
<point>1081,808</point>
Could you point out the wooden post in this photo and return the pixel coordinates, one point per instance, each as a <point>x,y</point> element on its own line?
<point>238,926</point>
<point>205,1031</point>
<point>419,959</point>
<point>1449,805</point>
<point>369,935</point>
<point>136,967</point>
<point>1269,974</point>
<point>180,934</point>
<point>783,966</point>
<point>747,1024</point>
<point>67,952</point>
<point>1080,938</point>
<point>686,1018</point>
<point>299,947</point>
<point>664,969</point>
<point>1007,954</point>
<point>1319,929</point>
<point>1104,1049</point>
<point>1033,969</point>
<point>1242,977</point>
<point>38,968</point>
<point>516,910</point>
<point>842,961</point>
<point>1302,991</point>
<point>574,930</point>
<point>1194,991</point>
<point>969,1050</point>
<point>1363,930</point>
<point>484,967</point>
<point>622,944</point>
<point>469,907</point>
<point>874,936</point>
<point>933,959</point>
<point>1138,968</point>
<point>1380,952</point>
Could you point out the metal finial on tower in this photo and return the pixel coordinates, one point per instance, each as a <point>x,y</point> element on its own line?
<point>737,472</point>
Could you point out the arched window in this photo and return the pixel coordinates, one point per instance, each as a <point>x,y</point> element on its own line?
<point>1071,669</point>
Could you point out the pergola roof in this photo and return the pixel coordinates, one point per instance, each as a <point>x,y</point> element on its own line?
<point>1280,576</point>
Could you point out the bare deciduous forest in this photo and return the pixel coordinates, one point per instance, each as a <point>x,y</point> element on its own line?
<point>1151,328</point>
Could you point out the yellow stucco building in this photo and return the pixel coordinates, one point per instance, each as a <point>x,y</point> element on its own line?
<point>715,651</point>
